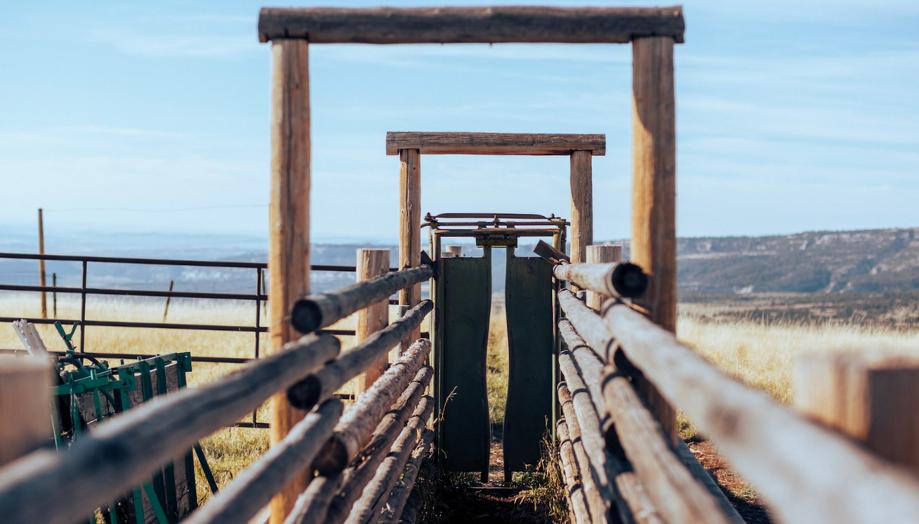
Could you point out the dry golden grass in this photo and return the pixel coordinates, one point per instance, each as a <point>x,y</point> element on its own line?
<point>762,354</point>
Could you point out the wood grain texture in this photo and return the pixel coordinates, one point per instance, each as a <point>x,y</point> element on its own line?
<point>587,324</point>
<point>868,395</point>
<point>372,263</point>
<point>598,255</point>
<point>356,427</point>
<point>369,507</point>
<point>241,500</point>
<point>596,492</point>
<point>616,279</point>
<point>321,385</point>
<point>654,245</point>
<point>582,206</point>
<point>392,510</point>
<point>574,489</point>
<point>410,228</point>
<point>462,143</point>
<point>126,449</point>
<point>289,229</point>
<point>806,472</point>
<point>314,312</point>
<point>469,25</point>
<point>25,405</point>
<point>357,477</point>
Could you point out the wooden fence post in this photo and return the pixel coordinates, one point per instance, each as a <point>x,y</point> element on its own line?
<point>596,255</point>
<point>41,264</point>
<point>289,231</point>
<point>871,397</point>
<point>371,263</point>
<point>410,228</point>
<point>582,210</point>
<point>654,191</point>
<point>25,406</point>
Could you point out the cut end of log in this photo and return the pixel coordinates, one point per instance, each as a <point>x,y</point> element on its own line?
<point>305,394</point>
<point>629,280</point>
<point>332,458</point>
<point>306,316</point>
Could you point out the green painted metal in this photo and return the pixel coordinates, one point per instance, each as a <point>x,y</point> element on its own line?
<point>462,319</point>
<point>531,347</point>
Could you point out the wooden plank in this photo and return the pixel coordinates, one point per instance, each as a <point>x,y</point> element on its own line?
<point>806,472</point>
<point>392,511</point>
<point>654,192</point>
<point>240,501</point>
<point>461,143</point>
<point>125,450</point>
<point>582,204</point>
<point>469,25</point>
<point>870,396</point>
<point>25,405</point>
<point>372,263</point>
<point>599,255</point>
<point>597,490</point>
<point>289,230</point>
<point>410,228</point>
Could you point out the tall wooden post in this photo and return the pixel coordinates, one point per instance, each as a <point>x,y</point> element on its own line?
<point>654,190</point>
<point>372,263</point>
<point>41,264</point>
<point>410,227</point>
<point>871,397</point>
<point>597,255</point>
<point>25,406</point>
<point>289,233</point>
<point>582,207</point>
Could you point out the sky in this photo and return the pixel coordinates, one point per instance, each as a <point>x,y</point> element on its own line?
<point>153,117</point>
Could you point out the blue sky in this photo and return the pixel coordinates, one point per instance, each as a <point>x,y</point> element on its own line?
<point>153,117</point>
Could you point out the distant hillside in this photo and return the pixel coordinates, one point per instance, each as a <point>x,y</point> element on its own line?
<point>823,261</point>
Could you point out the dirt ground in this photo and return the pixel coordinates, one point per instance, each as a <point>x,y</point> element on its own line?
<point>747,502</point>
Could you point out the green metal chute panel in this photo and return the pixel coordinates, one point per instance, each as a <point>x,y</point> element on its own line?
<point>464,293</point>
<point>531,347</point>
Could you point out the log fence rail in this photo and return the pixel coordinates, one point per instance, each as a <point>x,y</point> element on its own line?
<point>344,444</point>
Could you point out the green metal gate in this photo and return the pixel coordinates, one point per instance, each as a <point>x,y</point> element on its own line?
<point>462,300</point>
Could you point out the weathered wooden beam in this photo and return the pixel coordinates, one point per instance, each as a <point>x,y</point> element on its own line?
<point>597,488</point>
<point>587,324</point>
<point>654,245</point>
<point>470,25</point>
<point>582,204</point>
<point>392,511</point>
<point>242,499</point>
<point>598,255</point>
<point>126,449</point>
<point>368,508</point>
<point>617,279</point>
<point>355,428</point>
<point>868,395</point>
<point>806,472</point>
<point>410,230</point>
<point>323,383</point>
<point>601,383</point>
<point>572,476</point>
<point>313,504</point>
<point>371,263</point>
<point>410,404</point>
<point>25,404</point>
<point>461,143</point>
<point>289,223</point>
<point>324,309</point>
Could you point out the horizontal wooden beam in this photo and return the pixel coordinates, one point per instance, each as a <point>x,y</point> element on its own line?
<point>535,144</point>
<point>470,25</point>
